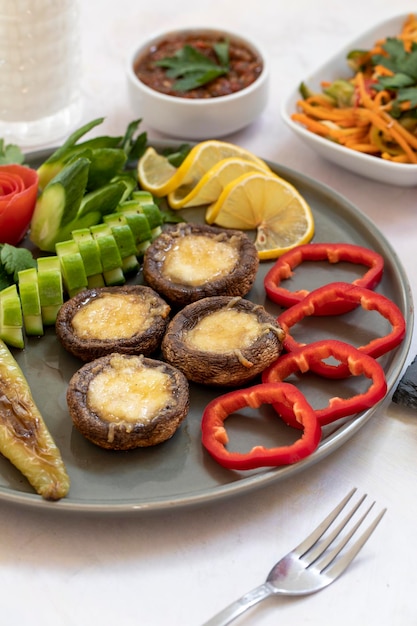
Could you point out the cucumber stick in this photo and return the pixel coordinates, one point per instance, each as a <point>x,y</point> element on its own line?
<point>58,204</point>
<point>78,196</point>
<point>24,437</point>
<point>103,200</point>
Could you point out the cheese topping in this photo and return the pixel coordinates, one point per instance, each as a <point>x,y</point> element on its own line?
<point>195,260</point>
<point>112,316</point>
<point>129,392</point>
<point>224,330</point>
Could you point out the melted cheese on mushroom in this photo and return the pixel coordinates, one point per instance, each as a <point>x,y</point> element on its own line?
<point>194,260</point>
<point>129,392</point>
<point>225,330</point>
<point>112,316</point>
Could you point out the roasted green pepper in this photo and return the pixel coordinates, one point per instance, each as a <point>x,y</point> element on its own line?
<point>24,437</point>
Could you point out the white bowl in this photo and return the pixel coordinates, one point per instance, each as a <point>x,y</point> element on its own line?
<point>197,119</point>
<point>372,167</point>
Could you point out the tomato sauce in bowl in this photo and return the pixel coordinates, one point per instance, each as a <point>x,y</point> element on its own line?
<point>228,91</point>
<point>245,66</point>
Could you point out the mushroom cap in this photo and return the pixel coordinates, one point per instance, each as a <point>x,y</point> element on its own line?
<point>119,433</point>
<point>235,282</point>
<point>235,364</point>
<point>138,338</point>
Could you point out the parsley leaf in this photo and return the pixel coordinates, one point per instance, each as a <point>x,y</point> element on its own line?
<point>403,65</point>
<point>194,69</point>
<point>10,154</point>
<point>12,260</point>
<point>221,48</point>
<point>408,95</point>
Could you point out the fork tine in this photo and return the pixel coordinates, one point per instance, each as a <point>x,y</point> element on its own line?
<point>318,549</point>
<point>318,532</point>
<point>335,568</point>
<point>333,552</point>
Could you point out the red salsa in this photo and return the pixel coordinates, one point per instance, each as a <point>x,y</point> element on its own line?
<point>244,66</point>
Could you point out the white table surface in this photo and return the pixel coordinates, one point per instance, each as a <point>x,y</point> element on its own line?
<point>178,568</point>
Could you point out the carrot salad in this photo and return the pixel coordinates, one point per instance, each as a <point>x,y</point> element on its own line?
<point>374,111</point>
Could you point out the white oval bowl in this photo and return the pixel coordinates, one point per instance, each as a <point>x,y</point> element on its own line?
<point>375,168</point>
<point>197,119</point>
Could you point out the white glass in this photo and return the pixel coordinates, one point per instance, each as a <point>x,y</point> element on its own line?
<point>40,99</point>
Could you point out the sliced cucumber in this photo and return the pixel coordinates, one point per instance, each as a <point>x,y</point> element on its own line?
<point>139,226</point>
<point>127,247</point>
<point>72,267</point>
<point>11,312</point>
<point>143,197</point>
<point>50,288</point>
<point>150,210</point>
<point>11,318</point>
<point>89,251</point>
<point>30,301</point>
<point>111,259</point>
<point>154,218</point>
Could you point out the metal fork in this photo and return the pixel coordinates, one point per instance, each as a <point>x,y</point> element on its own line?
<point>321,558</point>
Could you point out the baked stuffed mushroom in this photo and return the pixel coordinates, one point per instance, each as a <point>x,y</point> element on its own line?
<point>131,319</point>
<point>222,341</point>
<point>122,402</point>
<point>188,262</point>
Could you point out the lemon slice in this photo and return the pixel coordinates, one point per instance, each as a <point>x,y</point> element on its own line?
<point>269,204</point>
<point>212,183</point>
<point>157,175</point>
<point>155,172</point>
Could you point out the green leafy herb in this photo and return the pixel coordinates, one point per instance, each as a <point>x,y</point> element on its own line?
<point>10,154</point>
<point>12,260</point>
<point>194,69</point>
<point>134,147</point>
<point>403,64</point>
<point>177,155</point>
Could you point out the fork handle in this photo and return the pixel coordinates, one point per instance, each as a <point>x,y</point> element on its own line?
<point>231,612</point>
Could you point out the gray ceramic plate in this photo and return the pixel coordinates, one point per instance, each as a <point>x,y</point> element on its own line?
<point>179,473</point>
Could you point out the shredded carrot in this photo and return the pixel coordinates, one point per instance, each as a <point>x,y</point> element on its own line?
<point>367,125</point>
<point>381,70</point>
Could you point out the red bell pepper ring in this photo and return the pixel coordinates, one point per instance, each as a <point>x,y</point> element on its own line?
<point>359,364</point>
<point>368,299</point>
<point>331,252</point>
<point>18,193</point>
<point>283,396</point>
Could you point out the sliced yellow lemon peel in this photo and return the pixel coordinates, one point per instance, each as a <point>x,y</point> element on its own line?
<point>212,183</point>
<point>268,204</point>
<point>158,176</point>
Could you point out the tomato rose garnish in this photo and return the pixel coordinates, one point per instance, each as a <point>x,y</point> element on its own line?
<point>18,193</point>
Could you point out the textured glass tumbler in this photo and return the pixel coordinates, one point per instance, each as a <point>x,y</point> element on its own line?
<point>40,99</point>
